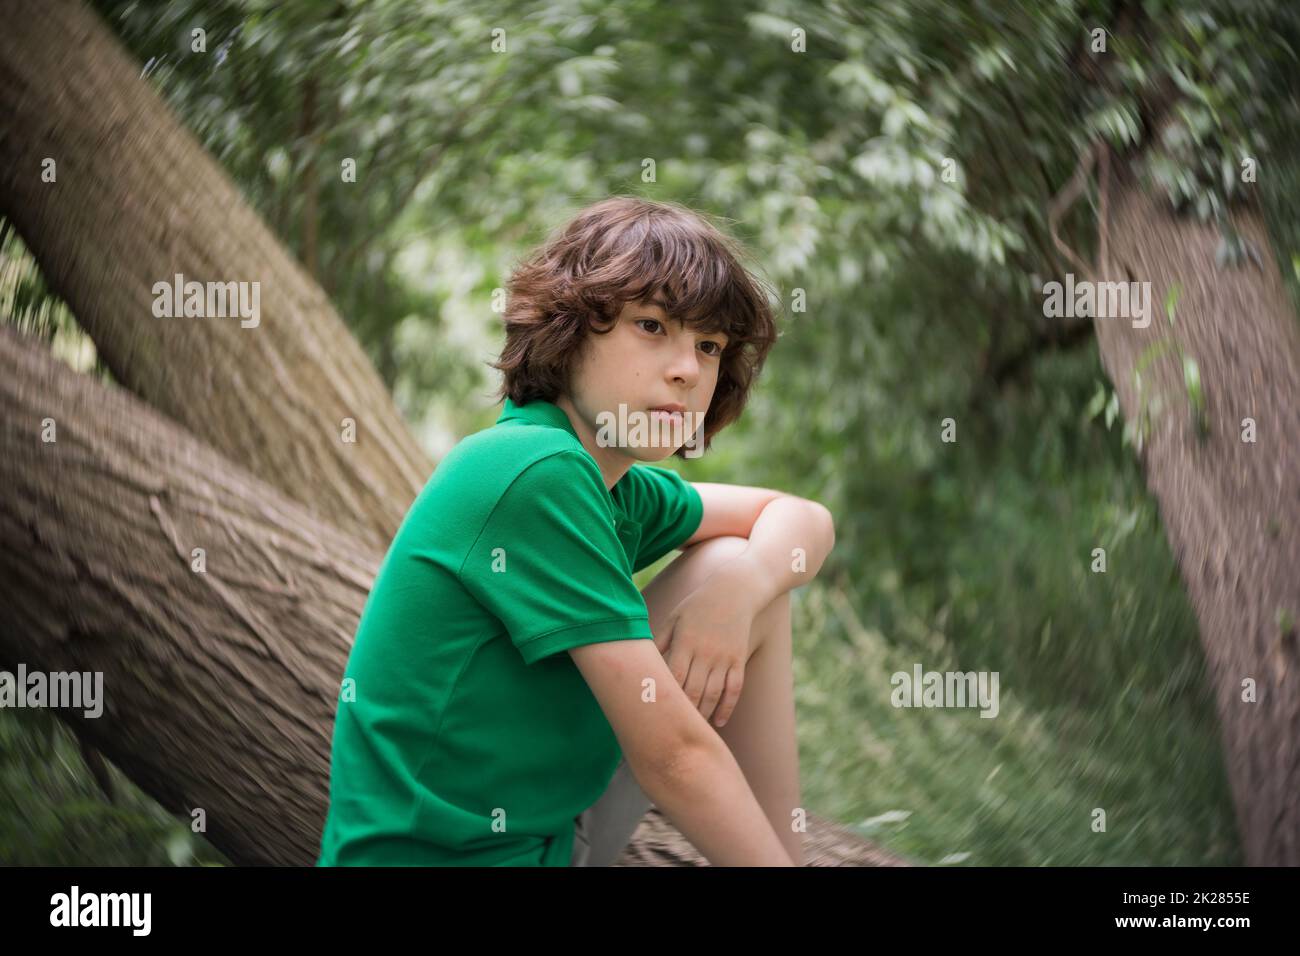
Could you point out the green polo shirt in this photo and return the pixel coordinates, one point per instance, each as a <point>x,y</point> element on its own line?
<point>464,735</point>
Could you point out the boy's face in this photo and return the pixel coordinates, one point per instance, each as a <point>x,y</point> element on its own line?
<point>645,361</point>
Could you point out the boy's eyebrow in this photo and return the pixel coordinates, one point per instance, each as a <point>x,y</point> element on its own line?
<point>661,305</point>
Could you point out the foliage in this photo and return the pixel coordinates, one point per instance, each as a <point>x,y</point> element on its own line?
<point>897,174</point>
<point>52,812</point>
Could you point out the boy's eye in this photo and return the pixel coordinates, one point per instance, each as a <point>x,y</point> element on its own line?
<point>718,347</point>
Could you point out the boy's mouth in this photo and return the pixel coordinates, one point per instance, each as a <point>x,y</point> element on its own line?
<point>673,413</point>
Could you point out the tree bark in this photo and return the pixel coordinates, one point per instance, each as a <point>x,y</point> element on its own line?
<point>136,201</point>
<point>1231,509</point>
<point>220,685</point>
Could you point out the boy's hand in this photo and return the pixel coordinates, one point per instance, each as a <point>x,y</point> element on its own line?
<point>705,643</point>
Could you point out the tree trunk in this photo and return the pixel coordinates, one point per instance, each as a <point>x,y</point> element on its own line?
<point>220,685</point>
<point>137,201</point>
<point>1231,508</point>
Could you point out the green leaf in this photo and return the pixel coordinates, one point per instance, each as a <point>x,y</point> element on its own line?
<point>1192,379</point>
<point>1112,409</point>
<point>1171,299</point>
<point>1095,404</point>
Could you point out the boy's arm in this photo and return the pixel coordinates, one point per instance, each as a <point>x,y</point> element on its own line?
<point>729,509</point>
<point>774,523</point>
<point>683,766</point>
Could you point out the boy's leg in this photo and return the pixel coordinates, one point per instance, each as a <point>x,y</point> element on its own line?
<point>761,729</point>
<point>760,733</point>
<point>603,830</point>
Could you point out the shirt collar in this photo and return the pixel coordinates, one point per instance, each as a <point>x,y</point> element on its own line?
<point>539,413</point>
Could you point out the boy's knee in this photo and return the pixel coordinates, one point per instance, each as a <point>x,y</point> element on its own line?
<point>687,572</point>
<point>723,548</point>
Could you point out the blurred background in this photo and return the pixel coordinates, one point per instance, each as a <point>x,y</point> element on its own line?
<point>891,167</point>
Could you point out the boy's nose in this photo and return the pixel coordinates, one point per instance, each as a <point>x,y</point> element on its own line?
<point>685,366</point>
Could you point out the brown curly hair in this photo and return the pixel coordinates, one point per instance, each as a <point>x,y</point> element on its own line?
<point>627,249</point>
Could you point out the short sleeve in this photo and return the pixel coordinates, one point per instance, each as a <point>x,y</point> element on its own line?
<point>667,507</point>
<point>549,565</point>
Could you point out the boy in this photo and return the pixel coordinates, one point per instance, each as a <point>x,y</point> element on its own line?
<point>513,699</point>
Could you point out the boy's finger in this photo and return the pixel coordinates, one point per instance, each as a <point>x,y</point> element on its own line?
<point>712,691</point>
<point>696,681</point>
<point>679,664</point>
<point>730,696</point>
<point>665,639</point>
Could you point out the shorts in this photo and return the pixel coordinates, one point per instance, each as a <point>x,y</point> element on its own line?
<point>603,830</point>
